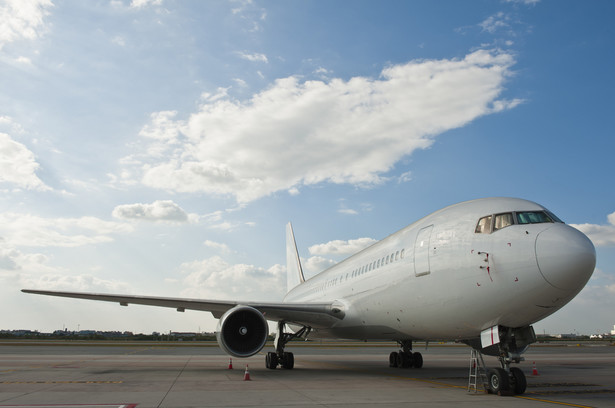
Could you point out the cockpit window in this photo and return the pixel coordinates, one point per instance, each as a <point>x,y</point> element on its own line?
<point>503,221</point>
<point>484,225</point>
<point>499,221</point>
<point>535,217</point>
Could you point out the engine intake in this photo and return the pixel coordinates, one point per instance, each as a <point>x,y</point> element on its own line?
<point>242,331</point>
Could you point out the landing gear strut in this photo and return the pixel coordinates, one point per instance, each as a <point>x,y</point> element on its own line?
<point>405,358</point>
<point>280,357</point>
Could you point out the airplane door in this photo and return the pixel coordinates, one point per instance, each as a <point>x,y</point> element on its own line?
<point>421,252</point>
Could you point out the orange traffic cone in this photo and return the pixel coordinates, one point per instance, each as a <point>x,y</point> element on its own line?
<point>246,375</point>
<point>534,371</point>
<point>230,364</point>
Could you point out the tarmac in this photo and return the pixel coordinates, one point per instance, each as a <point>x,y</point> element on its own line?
<point>338,375</point>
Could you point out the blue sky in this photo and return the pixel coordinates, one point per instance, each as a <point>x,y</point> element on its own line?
<point>159,147</point>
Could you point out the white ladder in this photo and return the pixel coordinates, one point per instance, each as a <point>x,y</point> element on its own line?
<point>477,369</point>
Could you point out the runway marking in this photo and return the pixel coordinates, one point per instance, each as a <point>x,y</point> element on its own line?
<point>553,402</point>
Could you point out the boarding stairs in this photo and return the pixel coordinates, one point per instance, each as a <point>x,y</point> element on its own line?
<point>478,372</point>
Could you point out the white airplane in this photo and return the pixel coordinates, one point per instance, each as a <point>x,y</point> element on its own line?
<point>480,272</point>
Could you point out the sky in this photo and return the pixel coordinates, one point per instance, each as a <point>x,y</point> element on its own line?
<point>159,147</point>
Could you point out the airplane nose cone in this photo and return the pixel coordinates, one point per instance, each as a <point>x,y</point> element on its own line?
<point>566,257</point>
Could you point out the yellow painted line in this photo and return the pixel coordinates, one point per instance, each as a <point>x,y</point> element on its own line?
<point>552,402</point>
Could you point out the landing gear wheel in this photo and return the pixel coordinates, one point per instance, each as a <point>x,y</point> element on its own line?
<point>271,360</point>
<point>393,359</point>
<point>404,360</point>
<point>288,360</point>
<point>417,360</point>
<point>518,381</point>
<point>498,381</point>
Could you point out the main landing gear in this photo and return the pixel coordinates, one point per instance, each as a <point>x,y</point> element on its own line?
<point>280,357</point>
<point>405,358</point>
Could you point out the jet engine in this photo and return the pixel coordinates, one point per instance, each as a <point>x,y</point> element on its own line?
<point>242,331</point>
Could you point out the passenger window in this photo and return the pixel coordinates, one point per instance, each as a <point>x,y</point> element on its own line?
<point>503,221</point>
<point>484,225</point>
<point>402,253</point>
<point>397,255</point>
<point>387,261</point>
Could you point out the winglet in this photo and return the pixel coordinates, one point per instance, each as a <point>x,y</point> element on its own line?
<point>294,272</point>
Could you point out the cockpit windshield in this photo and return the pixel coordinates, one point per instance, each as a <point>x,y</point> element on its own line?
<point>495,222</point>
<point>535,217</point>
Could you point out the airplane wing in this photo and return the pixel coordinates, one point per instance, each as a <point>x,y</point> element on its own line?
<point>316,315</point>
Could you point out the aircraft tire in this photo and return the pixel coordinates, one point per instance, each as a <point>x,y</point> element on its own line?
<point>519,383</point>
<point>271,360</point>
<point>417,360</point>
<point>393,359</point>
<point>289,361</point>
<point>498,381</point>
<point>404,360</point>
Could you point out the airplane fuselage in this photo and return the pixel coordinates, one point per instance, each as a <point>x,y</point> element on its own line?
<point>456,272</point>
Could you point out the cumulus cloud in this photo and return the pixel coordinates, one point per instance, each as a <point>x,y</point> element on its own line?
<point>214,278</point>
<point>307,132</point>
<point>315,264</point>
<point>18,165</point>
<point>22,19</point>
<point>35,231</point>
<point>601,235</point>
<point>339,247</point>
<point>161,210</point>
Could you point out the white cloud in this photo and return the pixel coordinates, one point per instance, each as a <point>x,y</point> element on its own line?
<point>339,247</point>
<point>118,40</point>
<point>161,210</point>
<point>214,278</point>
<point>526,2</point>
<point>145,3</point>
<point>253,57</point>
<point>495,22</point>
<point>80,283</point>
<point>217,246</point>
<point>34,231</point>
<point>301,133</point>
<point>18,165</point>
<point>22,19</point>
<point>315,264</point>
<point>601,235</point>
<point>405,177</point>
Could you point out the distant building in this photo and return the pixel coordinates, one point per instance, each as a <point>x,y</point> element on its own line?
<point>613,331</point>
<point>566,336</point>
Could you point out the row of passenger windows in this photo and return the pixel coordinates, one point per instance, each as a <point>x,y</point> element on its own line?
<point>378,263</point>
<point>385,260</point>
<point>492,223</point>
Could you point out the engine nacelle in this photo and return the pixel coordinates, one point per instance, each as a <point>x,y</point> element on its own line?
<point>242,331</point>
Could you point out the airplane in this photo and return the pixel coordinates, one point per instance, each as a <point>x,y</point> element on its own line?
<point>479,272</point>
